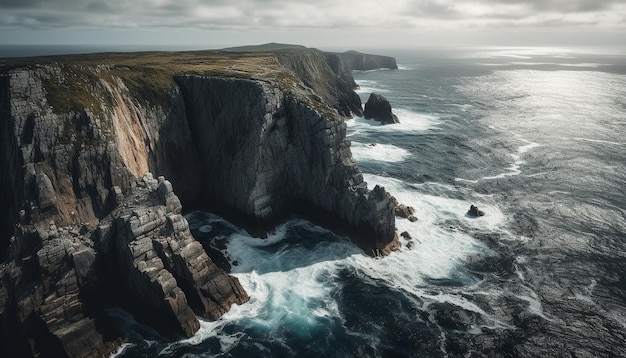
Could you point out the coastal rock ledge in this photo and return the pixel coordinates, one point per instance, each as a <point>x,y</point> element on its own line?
<point>85,227</point>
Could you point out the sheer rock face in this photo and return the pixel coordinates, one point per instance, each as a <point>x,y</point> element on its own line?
<point>266,153</point>
<point>82,228</point>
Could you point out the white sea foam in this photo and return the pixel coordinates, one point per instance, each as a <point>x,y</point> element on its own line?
<point>378,152</point>
<point>599,141</point>
<point>369,86</point>
<point>439,249</point>
<point>121,350</point>
<point>410,122</point>
<point>293,284</point>
<point>288,284</point>
<point>205,228</point>
<point>534,303</point>
<point>434,210</point>
<point>514,168</point>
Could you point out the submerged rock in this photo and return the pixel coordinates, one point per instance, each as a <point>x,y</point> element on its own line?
<point>378,108</point>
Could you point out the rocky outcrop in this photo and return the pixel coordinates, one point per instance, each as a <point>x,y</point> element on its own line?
<point>147,242</point>
<point>475,212</point>
<point>55,298</point>
<point>82,228</point>
<point>403,211</point>
<point>378,108</point>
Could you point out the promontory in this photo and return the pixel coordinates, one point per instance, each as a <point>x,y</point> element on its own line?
<point>102,153</point>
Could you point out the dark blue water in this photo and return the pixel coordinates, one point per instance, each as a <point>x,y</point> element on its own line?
<point>536,137</point>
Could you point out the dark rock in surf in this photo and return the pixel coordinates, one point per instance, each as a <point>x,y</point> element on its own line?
<point>379,109</point>
<point>475,212</point>
<point>404,211</point>
<point>406,235</point>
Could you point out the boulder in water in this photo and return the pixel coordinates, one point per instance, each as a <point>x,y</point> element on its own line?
<point>475,212</point>
<point>378,108</point>
<point>406,235</point>
<point>404,211</point>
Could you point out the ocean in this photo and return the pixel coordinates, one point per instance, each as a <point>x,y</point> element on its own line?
<point>536,138</point>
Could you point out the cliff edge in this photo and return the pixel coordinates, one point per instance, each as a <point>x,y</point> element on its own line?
<point>84,226</point>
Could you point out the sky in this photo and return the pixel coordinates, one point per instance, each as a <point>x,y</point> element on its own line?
<point>321,23</point>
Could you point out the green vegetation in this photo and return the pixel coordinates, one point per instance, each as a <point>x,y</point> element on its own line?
<point>74,91</point>
<point>149,76</point>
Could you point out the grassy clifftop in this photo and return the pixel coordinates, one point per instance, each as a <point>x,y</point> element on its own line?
<point>149,76</point>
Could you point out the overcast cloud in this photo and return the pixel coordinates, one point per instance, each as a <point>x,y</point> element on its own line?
<point>275,16</point>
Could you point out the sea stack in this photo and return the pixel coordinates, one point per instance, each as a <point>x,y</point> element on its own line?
<point>379,109</point>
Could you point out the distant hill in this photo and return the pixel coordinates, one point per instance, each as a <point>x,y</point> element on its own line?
<point>272,46</point>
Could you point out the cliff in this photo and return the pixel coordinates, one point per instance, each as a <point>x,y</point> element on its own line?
<point>352,60</point>
<point>83,227</point>
<point>335,86</point>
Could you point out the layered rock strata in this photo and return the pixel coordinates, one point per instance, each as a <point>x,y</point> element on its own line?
<point>80,220</point>
<point>165,269</point>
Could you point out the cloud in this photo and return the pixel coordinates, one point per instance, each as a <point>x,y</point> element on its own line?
<point>299,15</point>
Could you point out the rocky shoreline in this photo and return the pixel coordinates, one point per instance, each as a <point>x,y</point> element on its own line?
<point>85,226</point>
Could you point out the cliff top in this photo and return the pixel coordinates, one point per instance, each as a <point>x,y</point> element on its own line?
<point>293,68</point>
<point>150,75</point>
<point>206,63</point>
